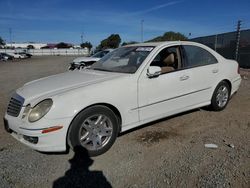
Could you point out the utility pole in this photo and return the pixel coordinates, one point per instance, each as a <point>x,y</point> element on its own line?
<point>82,38</point>
<point>10,32</point>
<point>237,40</point>
<point>215,43</point>
<point>142,30</point>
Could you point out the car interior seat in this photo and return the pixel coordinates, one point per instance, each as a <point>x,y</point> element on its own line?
<point>169,63</point>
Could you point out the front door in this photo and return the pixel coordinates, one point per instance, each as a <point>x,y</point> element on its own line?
<point>169,92</point>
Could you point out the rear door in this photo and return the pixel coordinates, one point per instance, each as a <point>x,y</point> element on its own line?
<point>204,70</point>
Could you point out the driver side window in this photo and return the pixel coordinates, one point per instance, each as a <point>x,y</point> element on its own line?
<point>168,59</point>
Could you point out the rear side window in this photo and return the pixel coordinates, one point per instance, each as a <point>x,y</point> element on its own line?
<point>196,56</point>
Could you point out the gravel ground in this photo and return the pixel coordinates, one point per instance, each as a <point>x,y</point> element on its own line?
<point>166,153</point>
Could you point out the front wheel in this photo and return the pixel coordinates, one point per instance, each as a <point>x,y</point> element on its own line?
<point>221,96</point>
<point>71,67</point>
<point>94,129</point>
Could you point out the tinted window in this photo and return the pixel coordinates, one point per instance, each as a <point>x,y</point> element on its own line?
<point>196,56</point>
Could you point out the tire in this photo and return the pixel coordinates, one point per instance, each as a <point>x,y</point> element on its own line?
<point>220,96</point>
<point>94,129</point>
<point>71,67</point>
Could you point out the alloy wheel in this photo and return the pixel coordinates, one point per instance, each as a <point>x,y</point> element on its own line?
<point>95,132</point>
<point>222,96</point>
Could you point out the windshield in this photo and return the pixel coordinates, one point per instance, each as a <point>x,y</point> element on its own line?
<point>124,60</point>
<point>100,54</point>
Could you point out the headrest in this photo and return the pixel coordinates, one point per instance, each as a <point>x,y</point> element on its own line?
<point>169,60</point>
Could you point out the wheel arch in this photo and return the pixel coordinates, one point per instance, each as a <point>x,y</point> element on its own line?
<point>229,83</point>
<point>224,80</point>
<point>213,106</point>
<point>110,106</point>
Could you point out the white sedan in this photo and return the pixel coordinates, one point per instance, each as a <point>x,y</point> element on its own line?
<point>81,62</point>
<point>17,55</point>
<point>131,86</point>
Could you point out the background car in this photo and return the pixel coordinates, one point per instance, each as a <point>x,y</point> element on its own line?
<point>25,55</point>
<point>2,58</point>
<point>87,61</point>
<point>6,56</point>
<point>16,55</point>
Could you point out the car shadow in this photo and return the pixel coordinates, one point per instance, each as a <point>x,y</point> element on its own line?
<point>79,174</point>
<point>159,121</point>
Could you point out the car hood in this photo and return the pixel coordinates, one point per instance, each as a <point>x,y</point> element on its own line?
<point>56,84</point>
<point>85,59</point>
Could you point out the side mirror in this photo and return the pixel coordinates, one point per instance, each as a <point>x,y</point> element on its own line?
<point>153,71</point>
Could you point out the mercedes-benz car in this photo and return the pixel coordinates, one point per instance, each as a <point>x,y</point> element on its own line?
<point>129,87</point>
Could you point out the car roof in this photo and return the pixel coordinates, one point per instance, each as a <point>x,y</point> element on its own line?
<point>163,43</point>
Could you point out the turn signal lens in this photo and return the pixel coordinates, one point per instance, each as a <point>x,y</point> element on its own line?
<point>51,129</point>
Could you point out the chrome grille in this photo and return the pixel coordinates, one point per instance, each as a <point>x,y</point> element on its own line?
<point>15,105</point>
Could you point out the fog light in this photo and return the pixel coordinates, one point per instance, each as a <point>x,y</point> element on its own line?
<point>31,139</point>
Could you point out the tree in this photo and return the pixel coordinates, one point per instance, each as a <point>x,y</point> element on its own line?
<point>2,41</point>
<point>30,46</point>
<point>63,45</point>
<point>127,43</point>
<point>169,36</point>
<point>87,45</point>
<point>113,41</point>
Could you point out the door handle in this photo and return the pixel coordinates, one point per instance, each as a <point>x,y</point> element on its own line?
<point>185,77</point>
<point>215,70</point>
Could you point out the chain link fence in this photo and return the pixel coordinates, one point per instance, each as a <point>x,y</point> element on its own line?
<point>52,52</point>
<point>225,44</point>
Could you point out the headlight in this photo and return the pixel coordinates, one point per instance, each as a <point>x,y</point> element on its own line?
<point>40,110</point>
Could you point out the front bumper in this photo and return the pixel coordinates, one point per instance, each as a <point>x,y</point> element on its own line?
<point>33,137</point>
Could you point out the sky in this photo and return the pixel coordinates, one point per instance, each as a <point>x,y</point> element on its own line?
<point>52,21</point>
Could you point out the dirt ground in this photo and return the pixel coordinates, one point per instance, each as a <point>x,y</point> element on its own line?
<point>166,153</point>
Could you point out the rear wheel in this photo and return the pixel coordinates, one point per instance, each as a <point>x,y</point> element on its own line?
<point>221,96</point>
<point>94,129</point>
